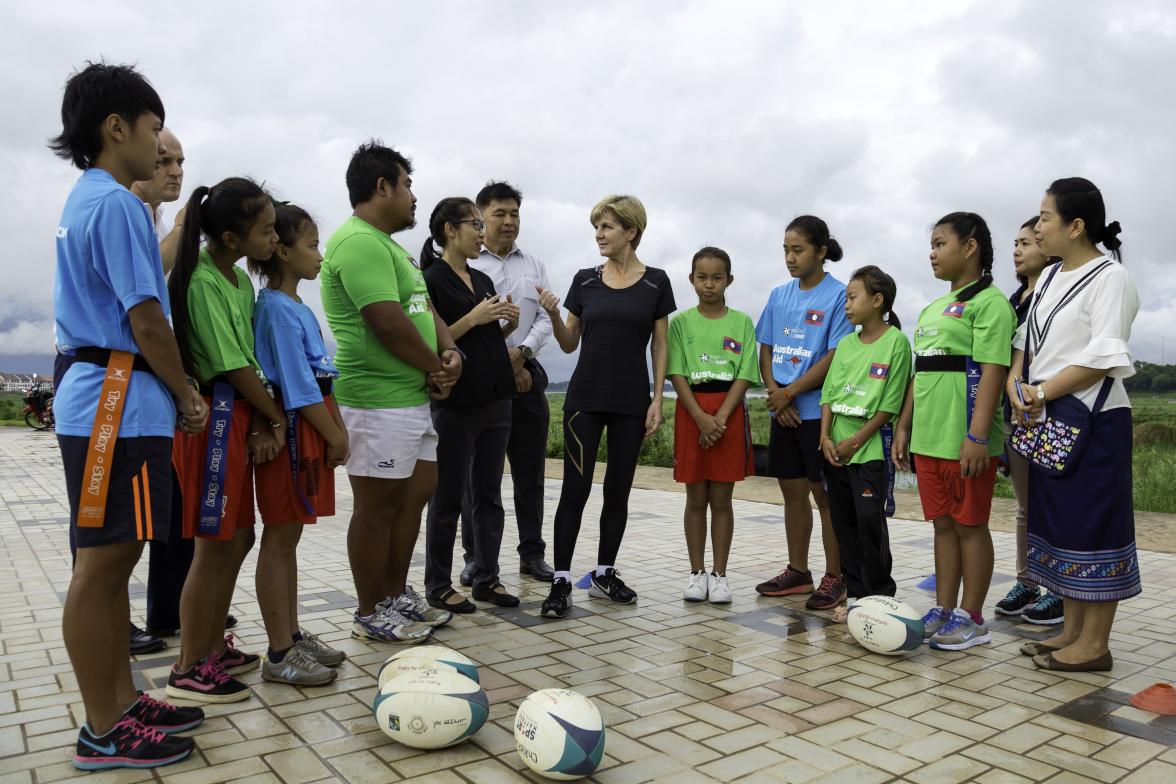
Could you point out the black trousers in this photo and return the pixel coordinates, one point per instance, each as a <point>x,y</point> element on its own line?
<point>530,418</point>
<point>582,434</point>
<point>471,451</point>
<point>167,568</point>
<point>857,497</point>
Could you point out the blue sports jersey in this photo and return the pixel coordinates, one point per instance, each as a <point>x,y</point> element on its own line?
<point>107,263</point>
<point>802,327</point>
<point>290,349</point>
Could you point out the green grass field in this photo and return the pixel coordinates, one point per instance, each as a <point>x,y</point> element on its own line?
<point>10,405</point>
<point>1154,458</point>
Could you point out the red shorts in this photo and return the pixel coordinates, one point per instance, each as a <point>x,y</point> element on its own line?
<point>943,492</point>
<point>278,500</point>
<point>188,458</point>
<point>729,460</point>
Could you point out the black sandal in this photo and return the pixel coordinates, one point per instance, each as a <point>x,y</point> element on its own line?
<point>441,602</point>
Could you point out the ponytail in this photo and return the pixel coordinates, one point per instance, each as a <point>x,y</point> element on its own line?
<point>816,231</point>
<point>875,281</point>
<point>187,256</point>
<point>231,205</point>
<point>449,210</point>
<point>967,226</point>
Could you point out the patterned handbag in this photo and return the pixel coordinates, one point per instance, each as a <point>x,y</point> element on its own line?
<point>1055,446</point>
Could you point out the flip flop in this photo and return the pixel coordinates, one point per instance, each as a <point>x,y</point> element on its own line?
<point>1099,664</point>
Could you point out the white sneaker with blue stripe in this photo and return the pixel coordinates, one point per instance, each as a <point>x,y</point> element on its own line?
<point>960,633</point>
<point>388,625</point>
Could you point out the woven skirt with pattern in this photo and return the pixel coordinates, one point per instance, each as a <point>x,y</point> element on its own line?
<point>1082,526</point>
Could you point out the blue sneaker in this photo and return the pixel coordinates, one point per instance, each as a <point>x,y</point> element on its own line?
<point>1019,597</point>
<point>1048,610</point>
<point>933,620</point>
<point>960,633</point>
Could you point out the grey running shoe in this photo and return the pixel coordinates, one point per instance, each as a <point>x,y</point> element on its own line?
<point>297,668</point>
<point>933,620</point>
<point>389,626</point>
<point>960,632</point>
<point>320,651</point>
<point>413,606</point>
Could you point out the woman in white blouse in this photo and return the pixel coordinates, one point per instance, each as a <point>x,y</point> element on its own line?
<point>1081,524</point>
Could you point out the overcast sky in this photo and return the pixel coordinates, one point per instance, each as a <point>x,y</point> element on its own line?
<point>725,119</point>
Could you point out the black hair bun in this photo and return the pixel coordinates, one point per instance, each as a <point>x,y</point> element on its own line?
<point>833,250</point>
<point>1110,235</point>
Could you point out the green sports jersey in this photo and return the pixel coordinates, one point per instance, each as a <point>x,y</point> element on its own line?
<point>703,349</point>
<point>364,265</point>
<point>981,328</point>
<point>863,379</point>
<point>220,317</point>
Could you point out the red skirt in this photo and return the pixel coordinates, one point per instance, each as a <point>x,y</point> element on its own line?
<point>188,458</point>
<point>278,499</point>
<point>729,460</point>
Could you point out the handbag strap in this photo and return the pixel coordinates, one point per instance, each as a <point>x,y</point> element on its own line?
<point>1103,391</point>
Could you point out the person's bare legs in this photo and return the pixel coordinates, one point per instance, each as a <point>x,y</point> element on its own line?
<point>278,546</point>
<point>798,520</point>
<point>694,523</point>
<point>236,549</point>
<point>828,535</point>
<point>722,522</point>
<point>292,591</point>
<point>96,629</point>
<point>406,525</point>
<point>376,503</point>
<point>947,562</point>
<point>975,564</point>
<point>198,601</point>
<point>1074,625</point>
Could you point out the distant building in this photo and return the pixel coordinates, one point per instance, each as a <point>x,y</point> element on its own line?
<point>19,382</point>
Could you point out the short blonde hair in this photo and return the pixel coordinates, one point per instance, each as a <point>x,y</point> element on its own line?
<point>628,209</point>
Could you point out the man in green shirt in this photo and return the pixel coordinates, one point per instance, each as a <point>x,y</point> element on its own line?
<point>388,340</point>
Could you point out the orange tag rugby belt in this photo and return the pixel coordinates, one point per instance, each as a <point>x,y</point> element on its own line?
<point>103,437</point>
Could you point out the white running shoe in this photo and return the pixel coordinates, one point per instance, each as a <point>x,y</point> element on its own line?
<point>719,590</point>
<point>319,650</point>
<point>696,587</point>
<point>389,626</point>
<point>413,606</point>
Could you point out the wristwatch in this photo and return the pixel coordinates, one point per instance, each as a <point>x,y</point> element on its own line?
<point>457,351</point>
<point>526,352</point>
<point>1041,392</point>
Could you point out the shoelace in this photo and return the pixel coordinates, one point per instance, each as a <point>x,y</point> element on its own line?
<point>953,623</point>
<point>934,614</point>
<point>230,649</point>
<point>212,671</point>
<point>1019,590</point>
<point>1049,601</point>
<point>828,582</point>
<point>138,729</point>
<point>153,707</point>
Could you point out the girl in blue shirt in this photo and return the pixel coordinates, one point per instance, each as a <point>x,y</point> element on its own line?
<point>296,487</point>
<point>797,332</point>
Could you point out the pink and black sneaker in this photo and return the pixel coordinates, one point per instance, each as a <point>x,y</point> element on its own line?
<point>163,716</point>
<point>206,682</point>
<point>129,744</point>
<point>235,661</point>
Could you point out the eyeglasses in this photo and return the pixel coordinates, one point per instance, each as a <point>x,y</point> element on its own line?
<point>478,225</point>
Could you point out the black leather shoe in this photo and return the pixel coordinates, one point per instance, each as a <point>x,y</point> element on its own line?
<point>537,568</point>
<point>163,631</point>
<point>496,594</point>
<point>230,621</point>
<point>467,575</point>
<point>142,642</point>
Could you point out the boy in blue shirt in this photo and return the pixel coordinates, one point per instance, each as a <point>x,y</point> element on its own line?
<point>120,385</point>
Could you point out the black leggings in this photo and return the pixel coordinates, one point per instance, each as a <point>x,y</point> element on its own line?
<point>582,432</point>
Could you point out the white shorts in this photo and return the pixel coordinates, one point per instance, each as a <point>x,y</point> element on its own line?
<point>386,443</point>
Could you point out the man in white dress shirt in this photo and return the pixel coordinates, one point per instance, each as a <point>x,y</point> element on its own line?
<point>517,273</point>
<point>163,188</point>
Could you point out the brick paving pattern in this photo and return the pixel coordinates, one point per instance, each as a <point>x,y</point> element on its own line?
<point>758,691</point>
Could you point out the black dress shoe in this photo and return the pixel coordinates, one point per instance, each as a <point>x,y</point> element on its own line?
<point>537,568</point>
<point>142,642</point>
<point>495,594</point>
<point>467,575</point>
<point>230,621</point>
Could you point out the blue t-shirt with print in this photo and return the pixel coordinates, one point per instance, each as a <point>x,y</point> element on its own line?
<point>802,327</point>
<point>107,263</point>
<point>288,343</point>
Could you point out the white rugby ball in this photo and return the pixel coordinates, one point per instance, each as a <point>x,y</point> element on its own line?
<point>559,734</point>
<point>430,709</point>
<point>423,657</point>
<point>883,624</point>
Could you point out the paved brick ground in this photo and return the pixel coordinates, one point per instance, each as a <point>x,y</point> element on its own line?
<point>758,691</point>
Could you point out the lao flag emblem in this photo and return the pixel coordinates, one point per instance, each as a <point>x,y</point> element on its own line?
<point>878,370</point>
<point>955,309</point>
<point>815,317</point>
<point>732,345</point>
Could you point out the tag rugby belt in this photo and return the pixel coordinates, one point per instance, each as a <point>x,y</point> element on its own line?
<point>104,435</point>
<point>941,363</point>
